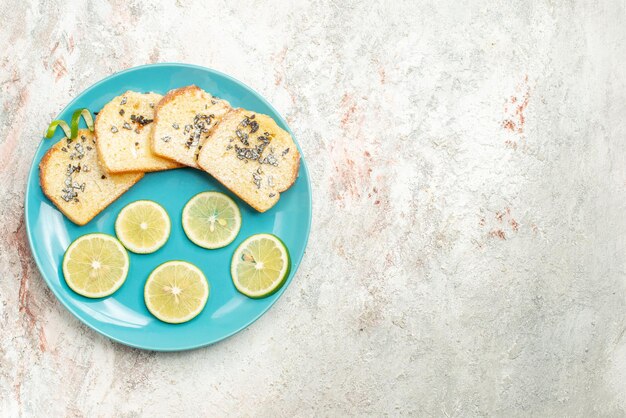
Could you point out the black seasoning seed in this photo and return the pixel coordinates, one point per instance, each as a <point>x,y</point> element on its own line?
<point>96,113</point>
<point>127,126</point>
<point>254,126</point>
<point>152,105</point>
<point>213,102</point>
<point>257,180</point>
<point>253,116</point>
<point>243,137</point>
<point>89,148</point>
<point>136,144</point>
<point>113,129</point>
<point>133,117</point>
<point>103,177</point>
<point>175,125</point>
<point>141,120</point>
<point>137,130</point>
<point>272,194</point>
<point>122,112</point>
<point>269,159</point>
<point>123,102</point>
<point>83,137</point>
<point>166,138</point>
<point>64,149</point>
<point>285,152</point>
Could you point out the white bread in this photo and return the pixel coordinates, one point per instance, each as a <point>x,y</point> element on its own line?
<point>123,130</point>
<point>71,177</point>
<point>252,156</point>
<point>183,120</point>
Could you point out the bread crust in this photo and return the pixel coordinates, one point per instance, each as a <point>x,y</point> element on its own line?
<point>171,95</point>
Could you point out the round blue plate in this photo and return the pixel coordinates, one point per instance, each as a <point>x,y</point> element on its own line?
<point>123,316</point>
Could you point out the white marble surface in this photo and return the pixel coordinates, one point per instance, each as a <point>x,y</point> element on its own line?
<point>469,175</point>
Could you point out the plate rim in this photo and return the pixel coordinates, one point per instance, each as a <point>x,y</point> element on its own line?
<point>29,234</point>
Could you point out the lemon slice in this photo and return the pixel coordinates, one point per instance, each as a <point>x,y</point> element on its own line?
<point>260,265</point>
<point>211,220</point>
<point>95,265</point>
<point>176,292</point>
<point>143,226</point>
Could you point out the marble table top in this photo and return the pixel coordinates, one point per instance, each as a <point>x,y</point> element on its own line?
<point>468,167</point>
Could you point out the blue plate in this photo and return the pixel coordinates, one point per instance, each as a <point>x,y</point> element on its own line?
<point>123,316</point>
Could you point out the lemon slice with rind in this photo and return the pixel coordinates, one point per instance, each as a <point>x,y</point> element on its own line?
<point>211,220</point>
<point>143,226</point>
<point>260,265</point>
<point>176,292</point>
<point>95,265</point>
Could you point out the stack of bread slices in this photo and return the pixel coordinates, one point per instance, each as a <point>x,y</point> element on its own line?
<point>137,133</point>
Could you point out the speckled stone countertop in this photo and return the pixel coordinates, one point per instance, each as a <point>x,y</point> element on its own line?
<point>467,254</point>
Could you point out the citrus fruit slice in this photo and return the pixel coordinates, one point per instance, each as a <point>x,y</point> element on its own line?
<point>143,226</point>
<point>260,265</point>
<point>211,220</point>
<point>95,265</point>
<point>176,292</point>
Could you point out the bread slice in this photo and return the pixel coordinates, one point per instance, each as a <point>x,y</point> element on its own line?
<point>123,128</point>
<point>252,156</point>
<point>183,120</point>
<point>71,176</point>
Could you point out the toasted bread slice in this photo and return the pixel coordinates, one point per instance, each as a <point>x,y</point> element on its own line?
<point>123,128</point>
<point>71,176</point>
<point>183,120</point>
<point>252,156</point>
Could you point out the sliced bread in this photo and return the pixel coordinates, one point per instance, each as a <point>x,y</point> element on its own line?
<point>73,179</point>
<point>123,128</point>
<point>252,156</point>
<point>183,120</point>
